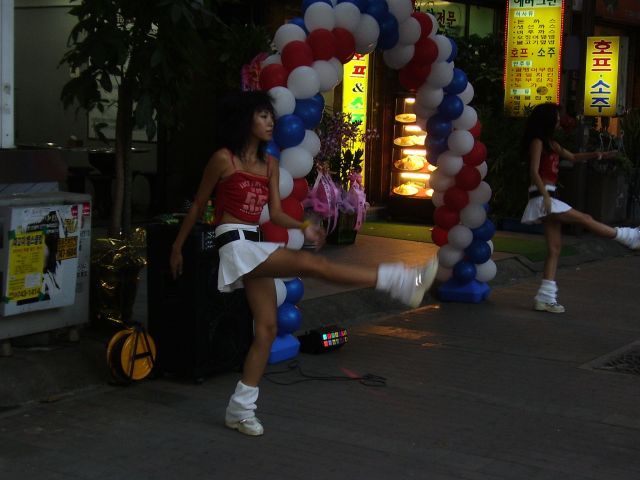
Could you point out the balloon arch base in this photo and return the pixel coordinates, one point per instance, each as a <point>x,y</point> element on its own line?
<point>472,292</point>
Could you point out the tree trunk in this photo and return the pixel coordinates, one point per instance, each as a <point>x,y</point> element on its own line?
<point>121,209</point>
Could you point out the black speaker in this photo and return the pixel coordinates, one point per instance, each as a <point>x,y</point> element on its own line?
<point>198,330</point>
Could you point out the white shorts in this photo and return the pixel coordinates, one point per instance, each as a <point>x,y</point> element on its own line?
<point>241,256</point>
<point>534,211</point>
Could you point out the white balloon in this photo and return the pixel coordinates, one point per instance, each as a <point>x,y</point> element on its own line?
<point>422,111</point>
<point>448,255</point>
<point>398,56</point>
<point>460,142</point>
<point>490,243</point>
<point>275,58</point>
<point>366,34</point>
<point>449,163</point>
<point>264,215</point>
<point>467,120</point>
<point>285,185</point>
<point>297,161</point>
<point>473,215</point>
<point>281,291</point>
<point>401,9</point>
<point>409,31</point>
<point>319,15</point>
<point>337,64</point>
<point>440,180</point>
<point>288,33</point>
<point>481,194</point>
<point>303,82</point>
<point>444,47</point>
<point>437,198</point>
<point>429,97</point>
<point>444,273</point>
<point>441,75</point>
<point>347,16</point>
<point>311,142</point>
<point>467,95</point>
<point>460,237</point>
<point>326,73</point>
<point>485,272</point>
<point>434,22</point>
<point>296,239</point>
<point>284,103</point>
<point>483,169</point>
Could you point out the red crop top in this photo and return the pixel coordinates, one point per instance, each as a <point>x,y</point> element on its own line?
<point>548,168</point>
<point>242,194</point>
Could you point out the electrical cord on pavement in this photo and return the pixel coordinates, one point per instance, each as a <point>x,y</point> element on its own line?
<point>367,379</point>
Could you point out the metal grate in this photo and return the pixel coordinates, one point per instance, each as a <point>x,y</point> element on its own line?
<point>625,362</point>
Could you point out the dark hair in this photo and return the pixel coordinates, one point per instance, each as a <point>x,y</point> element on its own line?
<point>235,120</point>
<point>541,124</point>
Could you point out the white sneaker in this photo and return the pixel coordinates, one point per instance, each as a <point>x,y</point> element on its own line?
<point>414,283</point>
<point>629,237</point>
<point>249,426</point>
<point>554,307</point>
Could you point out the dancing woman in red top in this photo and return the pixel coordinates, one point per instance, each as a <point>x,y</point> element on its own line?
<point>244,178</point>
<point>544,154</point>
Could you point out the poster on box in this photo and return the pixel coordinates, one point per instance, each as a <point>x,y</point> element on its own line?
<point>42,257</point>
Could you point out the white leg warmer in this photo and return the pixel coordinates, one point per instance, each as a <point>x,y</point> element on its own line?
<point>242,403</point>
<point>547,292</point>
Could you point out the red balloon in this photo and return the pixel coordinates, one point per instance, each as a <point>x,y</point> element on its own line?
<point>426,25</point>
<point>426,51</point>
<point>413,75</point>
<point>476,130</point>
<point>477,155</point>
<point>300,189</point>
<point>274,233</point>
<point>345,44</point>
<point>296,54</point>
<point>468,178</point>
<point>445,217</point>
<point>456,198</point>
<point>440,236</point>
<point>292,207</point>
<point>273,75</point>
<point>322,43</point>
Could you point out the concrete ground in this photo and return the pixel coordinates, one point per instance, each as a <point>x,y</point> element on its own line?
<point>454,391</point>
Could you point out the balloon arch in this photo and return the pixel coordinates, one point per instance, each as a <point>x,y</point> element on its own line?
<point>311,52</point>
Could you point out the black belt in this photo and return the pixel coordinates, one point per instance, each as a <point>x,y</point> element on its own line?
<point>233,235</point>
<point>537,193</point>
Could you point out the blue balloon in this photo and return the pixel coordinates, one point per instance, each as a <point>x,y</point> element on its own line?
<point>361,4</point>
<point>439,126</point>
<point>389,33</point>
<point>454,50</point>
<point>458,83</point>
<point>478,252</point>
<point>272,149</point>
<point>307,3</point>
<point>451,106</point>
<point>487,207</point>
<point>300,22</point>
<point>295,291</point>
<point>289,131</point>
<point>310,112</point>
<point>435,146</point>
<point>289,318</point>
<point>485,231</point>
<point>378,9</point>
<point>464,272</point>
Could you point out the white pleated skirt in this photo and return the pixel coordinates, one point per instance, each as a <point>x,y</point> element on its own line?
<point>240,257</point>
<point>534,211</point>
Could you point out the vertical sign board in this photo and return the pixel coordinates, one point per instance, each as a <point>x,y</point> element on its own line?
<point>354,94</point>
<point>533,54</point>
<point>601,88</point>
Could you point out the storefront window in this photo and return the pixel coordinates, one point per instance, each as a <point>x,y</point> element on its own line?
<point>481,20</point>
<point>452,16</point>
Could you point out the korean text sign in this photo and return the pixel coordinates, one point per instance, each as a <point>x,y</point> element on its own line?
<point>601,76</point>
<point>533,53</point>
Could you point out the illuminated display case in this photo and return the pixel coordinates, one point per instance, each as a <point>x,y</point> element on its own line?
<point>410,195</point>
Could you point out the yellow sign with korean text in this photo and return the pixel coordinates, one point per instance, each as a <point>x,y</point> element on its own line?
<point>601,76</point>
<point>533,54</point>
<point>26,260</point>
<point>355,86</point>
